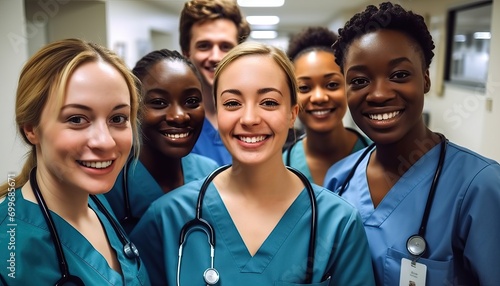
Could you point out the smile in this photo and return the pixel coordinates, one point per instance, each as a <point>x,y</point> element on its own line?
<point>177,135</point>
<point>383,116</point>
<point>96,165</point>
<point>252,139</point>
<point>320,112</point>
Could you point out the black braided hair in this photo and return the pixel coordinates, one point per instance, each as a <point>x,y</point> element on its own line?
<point>311,39</point>
<point>142,67</point>
<point>387,16</point>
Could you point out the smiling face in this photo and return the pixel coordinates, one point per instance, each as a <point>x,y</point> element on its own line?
<point>210,42</point>
<point>385,83</point>
<point>321,91</point>
<point>173,115</point>
<point>254,109</point>
<point>83,146</point>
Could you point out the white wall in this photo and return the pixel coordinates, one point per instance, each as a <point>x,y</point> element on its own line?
<point>13,53</point>
<point>131,24</point>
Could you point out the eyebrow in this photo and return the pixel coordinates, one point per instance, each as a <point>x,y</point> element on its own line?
<point>392,62</point>
<point>328,75</point>
<point>260,91</point>
<point>84,107</point>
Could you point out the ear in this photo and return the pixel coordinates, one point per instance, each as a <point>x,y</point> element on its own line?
<point>294,112</point>
<point>31,134</point>
<point>427,82</point>
<point>185,54</point>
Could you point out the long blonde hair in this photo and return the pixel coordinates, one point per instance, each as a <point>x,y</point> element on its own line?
<point>47,73</point>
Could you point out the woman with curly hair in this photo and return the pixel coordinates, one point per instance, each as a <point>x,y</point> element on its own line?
<point>427,204</point>
<point>321,94</point>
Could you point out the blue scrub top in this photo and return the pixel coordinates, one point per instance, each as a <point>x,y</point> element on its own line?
<point>462,232</point>
<point>298,156</point>
<point>28,255</point>
<point>210,145</point>
<point>143,188</point>
<point>341,247</point>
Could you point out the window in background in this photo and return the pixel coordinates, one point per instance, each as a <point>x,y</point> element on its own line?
<point>468,44</point>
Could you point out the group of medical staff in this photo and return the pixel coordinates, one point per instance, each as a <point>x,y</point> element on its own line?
<point>396,205</point>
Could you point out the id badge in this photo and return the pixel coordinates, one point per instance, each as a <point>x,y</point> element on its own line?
<point>412,273</point>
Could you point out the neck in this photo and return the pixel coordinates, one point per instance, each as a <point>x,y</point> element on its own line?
<point>267,182</point>
<point>167,171</point>
<point>339,140</point>
<point>71,205</point>
<point>400,156</point>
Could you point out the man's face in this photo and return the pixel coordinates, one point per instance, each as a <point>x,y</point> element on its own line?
<point>210,42</point>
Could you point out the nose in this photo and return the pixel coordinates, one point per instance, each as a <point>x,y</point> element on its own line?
<point>177,115</point>
<point>216,54</point>
<point>250,116</point>
<point>380,91</point>
<point>100,136</point>
<point>318,95</point>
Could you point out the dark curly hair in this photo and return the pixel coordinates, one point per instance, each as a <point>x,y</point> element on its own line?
<point>387,16</point>
<point>311,39</point>
<point>142,67</point>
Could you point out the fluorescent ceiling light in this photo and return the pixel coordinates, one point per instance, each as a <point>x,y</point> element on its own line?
<point>263,34</point>
<point>482,35</point>
<point>261,3</point>
<point>263,20</point>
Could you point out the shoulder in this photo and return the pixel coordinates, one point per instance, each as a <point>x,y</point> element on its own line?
<point>194,159</point>
<point>338,172</point>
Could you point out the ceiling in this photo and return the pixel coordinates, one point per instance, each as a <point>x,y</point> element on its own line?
<point>294,14</point>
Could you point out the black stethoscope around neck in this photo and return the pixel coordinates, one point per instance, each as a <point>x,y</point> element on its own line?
<point>416,244</point>
<point>211,275</point>
<point>129,248</point>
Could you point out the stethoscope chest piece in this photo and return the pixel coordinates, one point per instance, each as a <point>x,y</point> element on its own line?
<point>211,276</point>
<point>416,245</point>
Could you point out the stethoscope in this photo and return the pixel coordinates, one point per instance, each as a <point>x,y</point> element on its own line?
<point>289,149</point>
<point>415,244</point>
<point>129,218</point>
<point>211,275</point>
<point>66,278</point>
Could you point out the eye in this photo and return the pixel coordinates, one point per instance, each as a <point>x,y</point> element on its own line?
<point>193,102</point>
<point>157,103</point>
<point>332,85</point>
<point>231,104</point>
<point>119,119</point>
<point>399,75</point>
<point>270,103</point>
<point>226,47</point>
<point>358,82</point>
<point>203,46</point>
<point>77,120</point>
<point>304,88</point>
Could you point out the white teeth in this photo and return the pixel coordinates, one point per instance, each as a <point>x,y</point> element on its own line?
<point>252,139</point>
<point>320,112</point>
<point>96,165</point>
<point>383,116</point>
<point>178,136</point>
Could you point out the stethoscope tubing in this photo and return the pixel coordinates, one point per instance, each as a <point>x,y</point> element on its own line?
<point>198,221</point>
<point>128,247</point>
<point>416,244</point>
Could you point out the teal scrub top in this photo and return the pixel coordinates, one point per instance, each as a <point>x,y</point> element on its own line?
<point>28,255</point>
<point>143,188</point>
<point>341,247</point>
<point>298,155</point>
<point>462,230</point>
